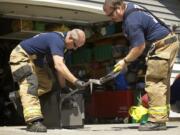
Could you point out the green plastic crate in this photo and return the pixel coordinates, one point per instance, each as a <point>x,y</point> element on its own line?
<point>102,53</point>
<point>82,56</point>
<point>39,26</point>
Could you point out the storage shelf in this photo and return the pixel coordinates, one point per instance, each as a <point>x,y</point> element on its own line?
<point>19,35</point>
<point>105,37</point>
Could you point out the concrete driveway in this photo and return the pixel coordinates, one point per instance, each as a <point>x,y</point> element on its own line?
<point>101,129</point>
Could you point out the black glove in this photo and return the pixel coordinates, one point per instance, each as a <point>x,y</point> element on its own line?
<point>66,90</point>
<point>80,84</point>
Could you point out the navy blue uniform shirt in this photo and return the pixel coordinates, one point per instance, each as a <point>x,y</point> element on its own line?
<point>140,26</point>
<point>43,44</point>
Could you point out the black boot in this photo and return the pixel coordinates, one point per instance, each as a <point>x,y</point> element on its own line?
<point>36,126</point>
<point>152,126</point>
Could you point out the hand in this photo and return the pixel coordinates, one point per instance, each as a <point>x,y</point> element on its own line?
<point>119,66</point>
<point>80,84</point>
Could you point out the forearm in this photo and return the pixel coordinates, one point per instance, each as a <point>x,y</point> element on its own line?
<point>135,53</point>
<point>62,81</point>
<point>64,71</point>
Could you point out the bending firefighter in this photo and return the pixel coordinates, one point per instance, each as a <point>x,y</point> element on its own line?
<point>140,25</point>
<point>29,69</point>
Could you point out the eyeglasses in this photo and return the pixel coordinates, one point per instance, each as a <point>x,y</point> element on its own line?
<point>112,12</point>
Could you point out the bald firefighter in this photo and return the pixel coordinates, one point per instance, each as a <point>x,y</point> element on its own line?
<point>28,67</point>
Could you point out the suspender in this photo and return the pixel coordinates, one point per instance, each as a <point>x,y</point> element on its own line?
<point>143,9</point>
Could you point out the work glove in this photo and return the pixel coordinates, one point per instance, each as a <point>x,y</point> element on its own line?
<point>66,90</point>
<point>80,84</point>
<point>120,65</point>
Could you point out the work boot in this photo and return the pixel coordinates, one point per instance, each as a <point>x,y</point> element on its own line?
<point>36,126</point>
<point>152,126</point>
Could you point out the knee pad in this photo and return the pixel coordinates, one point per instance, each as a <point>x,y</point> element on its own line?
<point>21,73</point>
<point>32,80</point>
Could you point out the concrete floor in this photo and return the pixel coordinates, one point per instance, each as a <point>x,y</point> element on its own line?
<point>101,129</point>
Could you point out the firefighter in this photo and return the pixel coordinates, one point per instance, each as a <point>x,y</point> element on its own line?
<point>29,69</point>
<point>140,25</point>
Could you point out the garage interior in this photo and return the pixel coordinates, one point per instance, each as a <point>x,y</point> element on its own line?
<point>104,46</point>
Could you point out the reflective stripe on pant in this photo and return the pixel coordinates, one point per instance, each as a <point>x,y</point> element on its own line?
<point>19,58</point>
<point>159,66</point>
<point>160,110</point>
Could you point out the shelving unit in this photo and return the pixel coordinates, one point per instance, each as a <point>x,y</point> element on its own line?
<point>19,35</point>
<point>116,35</point>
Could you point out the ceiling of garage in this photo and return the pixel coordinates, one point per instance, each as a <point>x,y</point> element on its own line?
<point>75,11</point>
<point>81,11</point>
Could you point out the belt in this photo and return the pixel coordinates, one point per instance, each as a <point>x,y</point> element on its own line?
<point>31,56</point>
<point>167,40</point>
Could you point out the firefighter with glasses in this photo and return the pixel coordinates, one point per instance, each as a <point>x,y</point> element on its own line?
<point>140,25</point>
